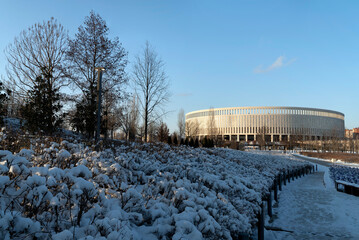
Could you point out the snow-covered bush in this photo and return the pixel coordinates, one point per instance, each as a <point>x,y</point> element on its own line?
<point>344,173</point>
<point>138,191</point>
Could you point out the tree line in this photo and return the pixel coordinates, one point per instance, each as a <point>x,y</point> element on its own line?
<point>51,81</point>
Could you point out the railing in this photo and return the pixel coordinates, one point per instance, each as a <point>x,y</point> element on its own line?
<point>347,187</point>
<point>279,180</point>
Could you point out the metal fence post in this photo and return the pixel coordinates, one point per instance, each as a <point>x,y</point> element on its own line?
<point>261,223</point>
<point>289,176</point>
<point>275,188</point>
<point>269,204</point>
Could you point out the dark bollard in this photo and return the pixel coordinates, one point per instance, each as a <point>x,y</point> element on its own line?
<point>280,182</point>
<point>292,175</point>
<point>243,236</point>
<point>289,176</point>
<point>296,174</point>
<point>261,223</point>
<point>316,167</point>
<point>275,190</point>
<point>269,204</point>
<point>285,179</point>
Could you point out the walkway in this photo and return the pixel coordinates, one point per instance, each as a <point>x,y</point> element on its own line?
<point>310,208</point>
<point>313,160</point>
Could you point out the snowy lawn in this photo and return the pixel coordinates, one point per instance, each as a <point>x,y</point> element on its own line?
<point>133,191</point>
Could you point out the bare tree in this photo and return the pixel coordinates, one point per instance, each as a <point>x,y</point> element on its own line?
<point>262,131</point>
<point>163,132</point>
<point>192,128</point>
<point>37,51</point>
<point>152,86</point>
<point>181,123</point>
<point>129,119</point>
<point>356,145</point>
<point>211,125</point>
<point>153,127</point>
<point>111,110</point>
<point>334,140</point>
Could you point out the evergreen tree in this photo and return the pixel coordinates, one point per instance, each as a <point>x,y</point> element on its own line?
<point>85,115</point>
<point>169,141</point>
<point>93,48</point>
<point>191,142</point>
<point>41,108</point>
<point>175,139</point>
<point>196,143</point>
<point>205,142</point>
<point>211,143</point>
<point>4,93</point>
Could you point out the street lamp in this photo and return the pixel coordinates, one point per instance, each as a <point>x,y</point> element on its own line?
<point>99,90</point>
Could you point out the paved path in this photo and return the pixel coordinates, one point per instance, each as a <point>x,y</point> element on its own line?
<point>315,161</point>
<point>310,209</point>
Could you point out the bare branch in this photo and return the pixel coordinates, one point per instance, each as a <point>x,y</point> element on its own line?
<point>38,50</point>
<point>152,85</point>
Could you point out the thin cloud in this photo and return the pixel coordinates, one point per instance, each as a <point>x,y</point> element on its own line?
<point>278,63</point>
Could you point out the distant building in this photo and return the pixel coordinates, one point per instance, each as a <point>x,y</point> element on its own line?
<point>352,133</point>
<point>271,123</point>
<point>348,133</point>
<point>356,133</point>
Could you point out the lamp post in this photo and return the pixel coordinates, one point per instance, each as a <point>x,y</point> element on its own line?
<point>99,91</point>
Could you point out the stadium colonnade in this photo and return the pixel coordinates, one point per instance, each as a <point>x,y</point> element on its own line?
<point>271,123</point>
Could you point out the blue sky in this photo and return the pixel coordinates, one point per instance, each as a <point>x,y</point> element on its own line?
<point>227,53</point>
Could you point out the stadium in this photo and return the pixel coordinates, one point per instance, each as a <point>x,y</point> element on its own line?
<point>272,124</point>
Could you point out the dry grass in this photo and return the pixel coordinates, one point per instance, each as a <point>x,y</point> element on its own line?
<point>345,157</point>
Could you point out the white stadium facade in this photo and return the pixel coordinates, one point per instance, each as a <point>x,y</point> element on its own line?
<point>274,123</point>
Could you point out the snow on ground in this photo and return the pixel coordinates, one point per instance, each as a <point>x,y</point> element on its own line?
<point>339,171</point>
<point>333,161</point>
<point>311,208</point>
<point>133,191</point>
